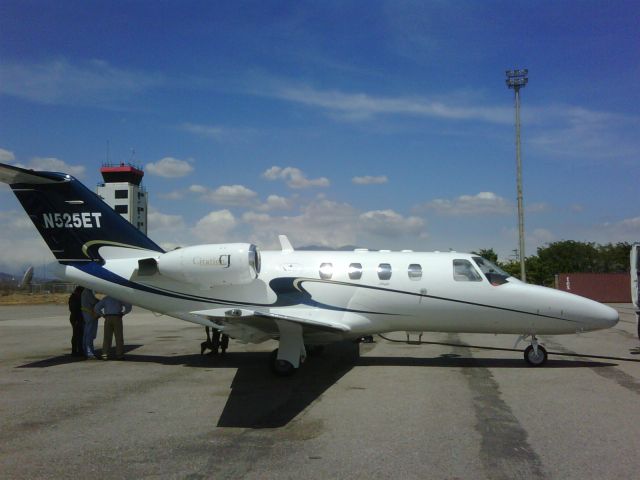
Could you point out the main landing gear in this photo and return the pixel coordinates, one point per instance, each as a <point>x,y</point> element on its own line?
<point>281,367</point>
<point>286,359</point>
<point>534,354</point>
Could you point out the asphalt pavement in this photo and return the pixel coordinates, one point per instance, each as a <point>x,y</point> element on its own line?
<point>456,406</point>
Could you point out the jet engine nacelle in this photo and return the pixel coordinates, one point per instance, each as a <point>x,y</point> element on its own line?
<point>212,265</point>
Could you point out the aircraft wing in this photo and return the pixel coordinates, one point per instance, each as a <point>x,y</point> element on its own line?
<point>258,325</point>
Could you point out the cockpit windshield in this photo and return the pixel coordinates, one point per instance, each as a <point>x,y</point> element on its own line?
<point>494,274</point>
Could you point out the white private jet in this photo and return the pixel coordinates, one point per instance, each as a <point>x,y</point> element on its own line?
<point>300,298</point>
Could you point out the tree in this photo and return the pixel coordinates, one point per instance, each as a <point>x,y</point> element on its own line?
<point>569,256</point>
<point>488,253</point>
<point>614,258</point>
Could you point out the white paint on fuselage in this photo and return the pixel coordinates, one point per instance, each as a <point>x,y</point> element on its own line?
<point>434,302</point>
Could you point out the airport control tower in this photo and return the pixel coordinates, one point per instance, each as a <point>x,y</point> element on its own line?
<point>122,191</point>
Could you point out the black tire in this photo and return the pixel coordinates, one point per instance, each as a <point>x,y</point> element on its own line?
<point>281,368</point>
<point>532,359</point>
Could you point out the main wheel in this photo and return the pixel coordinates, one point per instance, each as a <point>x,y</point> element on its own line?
<point>533,359</point>
<point>281,368</point>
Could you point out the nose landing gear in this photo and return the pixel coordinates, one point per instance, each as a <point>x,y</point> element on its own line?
<point>535,355</point>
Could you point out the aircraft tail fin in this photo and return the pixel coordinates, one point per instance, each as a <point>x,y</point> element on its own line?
<point>73,221</point>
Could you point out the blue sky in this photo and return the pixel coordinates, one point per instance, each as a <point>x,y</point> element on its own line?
<point>377,124</point>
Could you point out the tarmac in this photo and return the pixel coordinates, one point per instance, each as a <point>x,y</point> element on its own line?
<point>457,406</point>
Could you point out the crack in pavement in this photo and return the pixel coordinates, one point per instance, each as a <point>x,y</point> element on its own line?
<point>504,450</point>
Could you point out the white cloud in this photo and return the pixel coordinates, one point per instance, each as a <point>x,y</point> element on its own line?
<point>210,131</point>
<point>217,132</point>
<point>174,195</point>
<point>169,167</point>
<point>253,217</point>
<point>275,202</point>
<point>628,228</point>
<point>94,83</point>
<point>231,195</point>
<point>294,177</point>
<point>215,226</point>
<point>370,180</point>
<point>20,237</point>
<point>585,135</point>
<point>321,222</point>
<point>540,236</point>
<point>162,221</point>
<point>6,156</point>
<point>362,106</point>
<point>538,207</point>
<point>168,246</point>
<point>390,223</point>
<point>199,189</point>
<point>484,203</point>
<point>227,195</point>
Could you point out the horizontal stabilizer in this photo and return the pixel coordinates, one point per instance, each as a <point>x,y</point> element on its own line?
<point>16,175</point>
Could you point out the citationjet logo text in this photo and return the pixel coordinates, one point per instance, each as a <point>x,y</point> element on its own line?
<point>72,220</point>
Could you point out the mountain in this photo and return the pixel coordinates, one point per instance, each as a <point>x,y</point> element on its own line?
<point>315,248</point>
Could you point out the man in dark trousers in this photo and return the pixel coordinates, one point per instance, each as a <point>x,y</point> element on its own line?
<point>224,344</point>
<point>77,322</point>
<point>216,341</point>
<point>112,309</point>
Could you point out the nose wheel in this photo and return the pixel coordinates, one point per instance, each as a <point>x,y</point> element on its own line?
<point>535,355</point>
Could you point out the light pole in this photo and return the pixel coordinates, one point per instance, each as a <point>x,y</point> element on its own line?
<point>517,79</point>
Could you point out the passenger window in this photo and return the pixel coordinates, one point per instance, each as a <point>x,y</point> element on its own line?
<point>326,271</point>
<point>355,271</point>
<point>463,271</point>
<point>384,271</point>
<point>415,271</point>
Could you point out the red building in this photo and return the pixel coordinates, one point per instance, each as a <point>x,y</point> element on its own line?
<point>602,287</point>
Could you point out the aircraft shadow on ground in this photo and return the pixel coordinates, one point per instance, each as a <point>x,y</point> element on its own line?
<point>258,399</point>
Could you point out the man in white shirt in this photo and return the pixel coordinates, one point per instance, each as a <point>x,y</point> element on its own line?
<point>113,311</point>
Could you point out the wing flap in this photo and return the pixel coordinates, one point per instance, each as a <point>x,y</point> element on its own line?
<point>299,316</point>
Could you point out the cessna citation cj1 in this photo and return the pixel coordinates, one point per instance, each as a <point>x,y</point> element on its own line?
<point>300,298</point>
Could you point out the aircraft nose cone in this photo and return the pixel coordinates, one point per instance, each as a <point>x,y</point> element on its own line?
<point>600,316</point>
<point>608,316</point>
<point>592,315</point>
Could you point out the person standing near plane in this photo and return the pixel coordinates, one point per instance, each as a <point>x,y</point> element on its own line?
<point>215,341</point>
<point>207,343</point>
<point>224,344</point>
<point>87,302</point>
<point>77,322</point>
<point>113,310</point>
